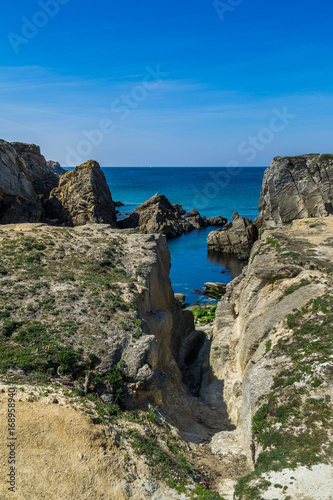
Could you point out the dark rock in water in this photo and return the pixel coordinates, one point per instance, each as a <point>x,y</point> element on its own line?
<point>41,176</point>
<point>198,291</point>
<point>56,167</point>
<point>118,204</point>
<point>82,197</point>
<point>157,215</point>
<point>215,289</point>
<point>237,237</point>
<point>217,221</point>
<point>296,187</point>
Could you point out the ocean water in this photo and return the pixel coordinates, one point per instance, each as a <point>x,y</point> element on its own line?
<point>212,191</point>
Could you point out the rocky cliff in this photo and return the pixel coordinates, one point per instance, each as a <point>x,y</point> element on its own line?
<point>82,196</point>
<point>18,198</point>
<point>88,320</point>
<point>296,187</point>
<point>271,350</point>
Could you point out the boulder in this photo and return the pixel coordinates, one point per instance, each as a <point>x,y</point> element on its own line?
<point>215,289</point>
<point>180,297</point>
<point>82,197</point>
<point>296,187</point>
<point>237,237</point>
<point>56,167</point>
<point>118,204</point>
<point>41,176</point>
<point>157,215</point>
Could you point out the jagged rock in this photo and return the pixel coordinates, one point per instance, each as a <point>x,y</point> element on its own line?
<point>56,167</point>
<point>41,176</point>
<point>296,187</point>
<point>118,204</point>
<point>237,237</point>
<point>157,215</point>
<point>83,196</point>
<point>217,221</point>
<point>179,208</point>
<point>18,199</point>
<point>215,289</point>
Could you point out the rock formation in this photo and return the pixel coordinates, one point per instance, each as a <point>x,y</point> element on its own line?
<point>158,215</point>
<point>82,196</point>
<point>56,167</point>
<point>215,290</point>
<point>296,187</point>
<point>217,221</point>
<point>237,237</point>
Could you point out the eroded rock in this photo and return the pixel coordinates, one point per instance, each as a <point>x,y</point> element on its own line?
<point>296,187</point>
<point>82,197</point>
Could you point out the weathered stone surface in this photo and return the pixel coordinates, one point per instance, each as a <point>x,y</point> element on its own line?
<point>41,176</point>
<point>251,320</point>
<point>157,215</point>
<point>82,196</point>
<point>296,187</point>
<point>56,167</point>
<point>18,199</point>
<point>237,237</point>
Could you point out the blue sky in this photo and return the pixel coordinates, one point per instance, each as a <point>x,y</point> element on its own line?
<point>237,83</point>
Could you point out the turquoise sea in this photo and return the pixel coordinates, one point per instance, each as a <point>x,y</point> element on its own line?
<point>212,191</point>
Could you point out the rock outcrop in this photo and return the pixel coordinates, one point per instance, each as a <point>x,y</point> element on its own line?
<point>41,176</point>
<point>56,167</point>
<point>271,354</point>
<point>296,187</point>
<point>82,197</point>
<point>237,237</point>
<point>158,215</point>
<point>20,185</point>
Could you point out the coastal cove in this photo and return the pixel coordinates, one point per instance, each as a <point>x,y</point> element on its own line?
<point>212,191</point>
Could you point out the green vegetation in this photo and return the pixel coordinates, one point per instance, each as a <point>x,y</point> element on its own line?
<point>204,315</point>
<point>293,288</point>
<point>167,461</point>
